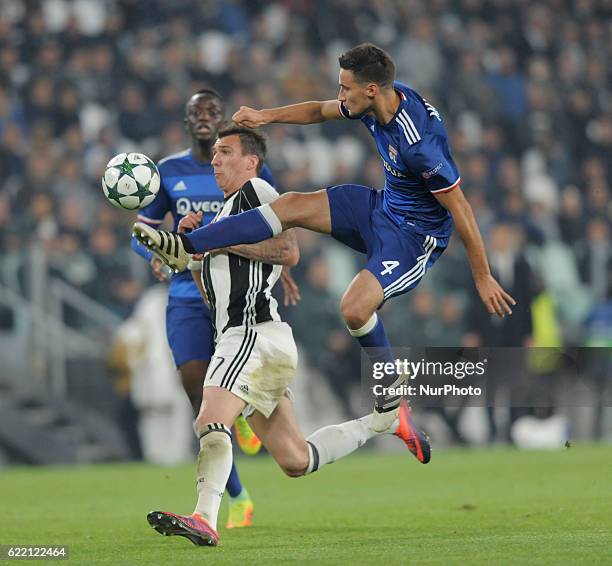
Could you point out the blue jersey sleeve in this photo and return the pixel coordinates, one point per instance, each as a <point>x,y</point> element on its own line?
<point>266,174</point>
<point>140,249</point>
<point>432,162</point>
<point>152,214</point>
<point>155,212</point>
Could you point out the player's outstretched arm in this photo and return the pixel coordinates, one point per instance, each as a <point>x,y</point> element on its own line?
<point>311,112</point>
<point>491,292</point>
<point>280,250</point>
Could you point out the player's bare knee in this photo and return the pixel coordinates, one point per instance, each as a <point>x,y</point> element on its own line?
<point>354,312</point>
<point>295,465</point>
<point>294,470</point>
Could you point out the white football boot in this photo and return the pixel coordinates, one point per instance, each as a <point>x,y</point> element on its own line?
<point>167,246</point>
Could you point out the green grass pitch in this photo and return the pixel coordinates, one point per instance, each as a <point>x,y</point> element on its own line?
<point>497,505</point>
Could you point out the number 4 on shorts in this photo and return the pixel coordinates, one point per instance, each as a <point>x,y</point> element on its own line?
<point>389,266</point>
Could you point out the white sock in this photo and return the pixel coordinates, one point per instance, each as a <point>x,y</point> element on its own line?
<point>270,217</point>
<point>331,443</point>
<point>365,329</point>
<point>214,467</point>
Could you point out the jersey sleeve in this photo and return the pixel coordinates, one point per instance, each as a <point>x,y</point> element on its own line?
<point>152,214</point>
<point>155,212</point>
<point>264,191</point>
<point>433,164</point>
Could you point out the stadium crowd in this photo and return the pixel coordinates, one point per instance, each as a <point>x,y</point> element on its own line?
<point>523,87</point>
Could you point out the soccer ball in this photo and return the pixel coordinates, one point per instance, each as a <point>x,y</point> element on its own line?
<point>131,181</point>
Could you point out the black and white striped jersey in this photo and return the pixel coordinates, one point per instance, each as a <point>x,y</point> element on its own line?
<point>239,290</point>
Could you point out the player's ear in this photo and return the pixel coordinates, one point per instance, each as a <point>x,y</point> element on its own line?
<point>253,161</point>
<point>372,90</point>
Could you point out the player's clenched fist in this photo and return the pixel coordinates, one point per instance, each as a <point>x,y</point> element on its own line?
<point>249,117</point>
<point>190,222</point>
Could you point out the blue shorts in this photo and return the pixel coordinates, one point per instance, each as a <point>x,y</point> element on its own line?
<point>398,255</point>
<point>190,331</point>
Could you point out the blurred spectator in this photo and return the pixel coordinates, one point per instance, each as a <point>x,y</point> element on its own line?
<point>313,325</point>
<point>69,185</point>
<point>148,384</point>
<point>595,259</point>
<point>136,119</point>
<point>509,266</point>
<point>69,104</point>
<point>41,103</point>
<point>571,216</point>
<point>452,328</point>
<point>421,58</point>
<point>413,322</point>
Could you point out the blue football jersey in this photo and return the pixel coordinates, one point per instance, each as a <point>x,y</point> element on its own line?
<point>417,161</point>
<point>186,186</point>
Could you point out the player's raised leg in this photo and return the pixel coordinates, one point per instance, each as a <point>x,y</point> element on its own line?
<point>298,456</point>
<point>358,307</point>
<point>291,210</point>
<point>304,210</point>
<point>219,410</point>
<point>282,438</point>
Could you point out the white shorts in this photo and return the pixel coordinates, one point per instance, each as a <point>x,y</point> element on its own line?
<point>256,363</point>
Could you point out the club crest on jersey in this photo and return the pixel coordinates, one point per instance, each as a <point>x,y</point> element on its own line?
<point>392,154</point>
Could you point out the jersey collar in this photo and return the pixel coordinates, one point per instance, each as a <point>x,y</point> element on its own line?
<point>399,108</point>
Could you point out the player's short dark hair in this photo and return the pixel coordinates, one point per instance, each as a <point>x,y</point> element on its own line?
<point>252,142</point>
<point>210,93</point>
<point>369,64</point>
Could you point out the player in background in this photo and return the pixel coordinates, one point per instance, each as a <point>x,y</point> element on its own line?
<point>255,355</point>
<point>188,185</point>
<point>403,229</point>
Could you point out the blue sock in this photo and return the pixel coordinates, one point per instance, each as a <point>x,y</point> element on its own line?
<point>372,337</point>
<point>233,486</point>
<point>247,227</point>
